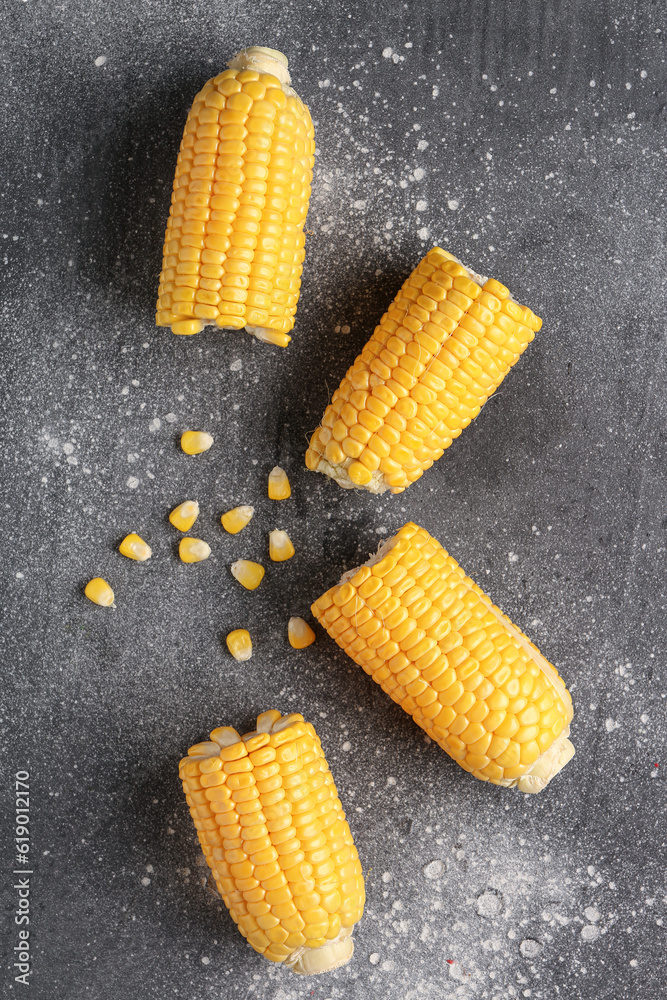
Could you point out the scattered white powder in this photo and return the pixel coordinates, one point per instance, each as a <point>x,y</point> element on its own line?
<point>433,870</point>
<point>611,724</point>
<point>155,424</point>
<point>530,948</point>
<point>489,904</point>
<point>101,61</point>
<point>374,958</point>
<point>132,482</point>
<point>236,365</point>
<point>592,914</point>
<point>590,932</point>
<point>452,204</point>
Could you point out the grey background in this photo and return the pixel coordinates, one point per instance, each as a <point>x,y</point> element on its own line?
<point>544,166</point>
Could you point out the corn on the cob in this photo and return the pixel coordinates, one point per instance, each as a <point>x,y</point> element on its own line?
<point>441,349</point>
<point>193,550</point>
<point>135,547</point>
<point>274,834</point>
<point>195,442</point>
<point>185,515</point>
<point>239,644</point>
<point>99,592</point>
<point>234,245</point>
<point>236,519</point>
<point>280,546</point>
<point>279,487</point>
<point>299,633</point>
<point>439,647</point>
<point>249,574</point>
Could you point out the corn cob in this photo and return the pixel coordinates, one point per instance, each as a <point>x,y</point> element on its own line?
<point>274,834</point>
<point>438,646</point>
<point>441,349</point>
<point>234,245</point>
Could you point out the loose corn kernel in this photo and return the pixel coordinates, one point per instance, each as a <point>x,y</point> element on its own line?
<point>299,633</point>
<point>193,550</point>
<point>185,515</point>
<point>239,644</point>
<point>236,519</point>
<point>135,547</point>
<point>441,349</point>
<point>195,442</point>
<point>274,833</point>
<point>279,487</point>
<point>249,574</point>
<point>437,645</point>
<point>99,592</point>
<point>280,546</point>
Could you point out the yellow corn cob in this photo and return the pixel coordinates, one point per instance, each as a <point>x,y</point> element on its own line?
<point>239,644</point>
<point>299,633</point>
<point>193,550</point>
<point>249,574</point>
<point>274,834</point>
<point>195,442</point>
<point>441,349</point>
<point>135,547</point>
<point>185,515</point>
<point>279,486</point>
<point>234,245</point>
<point>99,592</point>
<point>438,646</point>
<point>280,546</point>
<point>236,519</point>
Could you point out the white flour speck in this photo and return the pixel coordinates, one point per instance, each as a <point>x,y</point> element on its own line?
<point>452,204</point>
<point>155,424</point>
<point>611,724</point>
<point>592,914</point>
<point>132,482</point>
<point>421,205</point>
<point>374,958</point>
<point>530,948</point>
<point>236,365</point>
<point>387,52</point>
<point>590,932</point>
<point>434,869</point>
<point>101,61</point>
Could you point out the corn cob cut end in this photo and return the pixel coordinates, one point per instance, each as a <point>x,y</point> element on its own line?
<point>263,60</point>
<point>441,349</point>
<point>295,892</point>
<point>465,673</point>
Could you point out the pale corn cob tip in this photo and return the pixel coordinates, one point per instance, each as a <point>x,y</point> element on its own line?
<point>429,636</point>
<point>234,245</point>
<point>274,834</point>
<point>441,349</point>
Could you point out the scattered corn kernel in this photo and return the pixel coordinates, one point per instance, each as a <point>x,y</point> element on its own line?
<point>273,831</point>
<point>299,633</point>
<point>185,515</point>
<point>195,442</point>
<point>280,546</point>
<point>279,487</point>
<point>239,644</point>
<point>135,547</point>
<point>236,519</point>
<point>193,550</point>
<point>99,592</point>
<point>249,574</point>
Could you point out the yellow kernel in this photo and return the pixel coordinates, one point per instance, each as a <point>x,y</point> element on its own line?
<point>194,442</point>
<point>359,474</point>
<point>280,546</point>
<point>99,592</point>
<point>193,550</point>
<point>236,519</point>
<point>239,644</point>
<point>249,574</point>
<point>135,547</point>
<point>279,487</point>
<point>185,515</point>
<point>299,633</point>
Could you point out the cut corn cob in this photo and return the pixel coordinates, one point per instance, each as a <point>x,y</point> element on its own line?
<point>249,574</point>
<point>239,644</point>
<point>99,592</point>
<point>234,245</point>
<point>195,442</point>
<point>274,834</point>
<point>236,519</point>
<point>193,550</point>
<point>439,647</point>
<point>135,547</point>
<point>441,349</point>
<point>299,633</point>
<point>279,487</point>
<point>280,546</point>
<point>185,515</point>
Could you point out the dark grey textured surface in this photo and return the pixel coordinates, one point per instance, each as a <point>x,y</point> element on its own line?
<point>528,139</point>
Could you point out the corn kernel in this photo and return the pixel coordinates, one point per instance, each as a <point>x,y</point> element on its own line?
<point>237,518</point>
<point>195,442</point>
<point>185,515</point>
<point>249,574</point>
<point>280,546</point>
<point>239,644</point>
<point>279,487</point>
<point>193,550</point>
<point>99,592</point>
<point>299,633</point>
<point>135,547</point>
